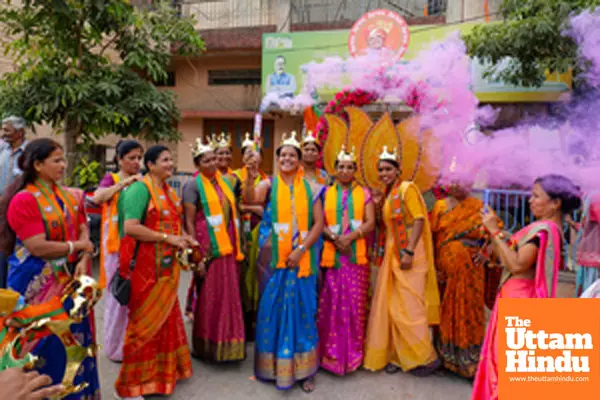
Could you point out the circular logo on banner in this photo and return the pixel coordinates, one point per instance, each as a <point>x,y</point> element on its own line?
<point>382,31</point>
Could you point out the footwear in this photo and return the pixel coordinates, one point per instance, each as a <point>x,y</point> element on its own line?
<point>308,385</point>
<point>392,369</point>
<point>426,370</point>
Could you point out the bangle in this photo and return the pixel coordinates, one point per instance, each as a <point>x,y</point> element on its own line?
<point>360,234</point>
<point>302,248</point>
<point>164,237</point>
<point>71,248</point>
<point>499,234</point>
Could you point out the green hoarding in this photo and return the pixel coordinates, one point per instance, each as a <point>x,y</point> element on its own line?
<point>284,54</point>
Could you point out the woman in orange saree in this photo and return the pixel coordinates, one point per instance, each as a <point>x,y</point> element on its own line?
<point>531,261</point>
<point>155,353</point>
<point>455,225</point>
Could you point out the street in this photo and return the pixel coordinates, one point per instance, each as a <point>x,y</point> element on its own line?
<point>236,381</point>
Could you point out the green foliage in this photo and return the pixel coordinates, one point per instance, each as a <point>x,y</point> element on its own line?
<point>86,174</point>
<point>91,63</point>
<point>531,35</point>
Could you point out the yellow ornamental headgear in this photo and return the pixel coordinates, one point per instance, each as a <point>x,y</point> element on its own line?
<point>309,137</point>
<point>290,141</point>
<point>224,141</point>
<point>344,156</point>
<point>199,148</point>
<point>387,156</point>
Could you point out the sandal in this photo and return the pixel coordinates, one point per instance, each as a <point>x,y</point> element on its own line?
<point>392,369</point>
<point>308,385</point>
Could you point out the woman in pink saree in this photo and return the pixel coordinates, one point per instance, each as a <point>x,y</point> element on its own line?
<point>531,261</point>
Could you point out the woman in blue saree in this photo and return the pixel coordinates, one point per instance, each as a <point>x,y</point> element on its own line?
<point>52,246</point>
<point>286,330</point>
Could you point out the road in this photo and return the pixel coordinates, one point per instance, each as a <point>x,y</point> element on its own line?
<point>233,382</point>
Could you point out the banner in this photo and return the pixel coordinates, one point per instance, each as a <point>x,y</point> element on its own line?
<point>284,54</point>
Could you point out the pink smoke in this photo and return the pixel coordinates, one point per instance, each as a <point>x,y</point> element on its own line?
<point>585,30</point>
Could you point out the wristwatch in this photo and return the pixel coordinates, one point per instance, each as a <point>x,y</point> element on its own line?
<point>302,248</point>
<point>408,252</point>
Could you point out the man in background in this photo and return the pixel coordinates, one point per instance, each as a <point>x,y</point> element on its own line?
<point>12,146</point>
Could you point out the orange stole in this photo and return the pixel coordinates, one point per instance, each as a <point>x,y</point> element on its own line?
<point>110,219</point>
<point>334,220</point>
<point>55,218</point>
<point>164,211</point>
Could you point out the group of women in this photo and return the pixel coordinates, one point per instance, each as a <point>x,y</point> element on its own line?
<point>286,262</point>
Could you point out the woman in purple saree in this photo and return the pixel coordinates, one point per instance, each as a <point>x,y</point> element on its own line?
<point>531,261</point>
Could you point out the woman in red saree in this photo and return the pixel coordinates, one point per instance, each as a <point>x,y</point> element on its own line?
<point>455,225</point>
<point>155,353</point>
<point>531,261</point>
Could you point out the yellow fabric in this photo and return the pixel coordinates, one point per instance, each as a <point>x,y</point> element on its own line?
<point>242,174</point>
<point>331,211</point>
<point>216,209</point>
<point>285,214</point>
<point>406,302</point>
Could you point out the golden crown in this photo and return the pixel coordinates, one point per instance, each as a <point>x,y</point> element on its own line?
<point>387,156</point>
<point>290,141</point>
<point>344,156</point>
<point>200,148</point>
<point>222,141</point>
<point>310,138</point>
<point>247,141</point>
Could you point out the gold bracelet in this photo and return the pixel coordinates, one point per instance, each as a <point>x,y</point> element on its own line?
<point>360,234</point>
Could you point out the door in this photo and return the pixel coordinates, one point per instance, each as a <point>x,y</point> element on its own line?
<point>237,129</point>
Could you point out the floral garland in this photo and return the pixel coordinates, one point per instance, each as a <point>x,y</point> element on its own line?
<point>343,99</point>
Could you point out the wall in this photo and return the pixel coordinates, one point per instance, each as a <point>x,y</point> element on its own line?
<point>194,92</point>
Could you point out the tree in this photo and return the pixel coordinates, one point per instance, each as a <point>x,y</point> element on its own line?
<point>532,36</point>
<point>87,67</point>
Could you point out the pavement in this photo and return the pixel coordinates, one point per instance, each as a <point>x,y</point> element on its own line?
<point>236,381</point>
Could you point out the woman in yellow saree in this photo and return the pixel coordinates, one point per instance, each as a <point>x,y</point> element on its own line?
<point>406,300</point>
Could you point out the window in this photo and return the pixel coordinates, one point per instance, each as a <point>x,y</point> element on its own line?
<point>169,81</point>
<point>234,77</point>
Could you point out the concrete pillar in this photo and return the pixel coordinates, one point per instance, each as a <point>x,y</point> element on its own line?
<point>471,10</point>
<point>283,10</point>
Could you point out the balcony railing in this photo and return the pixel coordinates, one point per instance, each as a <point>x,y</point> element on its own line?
<point>324,11</point>
<point>223,14</point>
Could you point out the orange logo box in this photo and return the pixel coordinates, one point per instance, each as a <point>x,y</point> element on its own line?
<point>549,349</point>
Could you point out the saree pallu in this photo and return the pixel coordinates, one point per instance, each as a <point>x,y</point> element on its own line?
<point>155,354</point>
<point>461,281</point>
<point>398,328</point>
<point>342,317</point>
<point>115,315</point>
<point>544,285</point>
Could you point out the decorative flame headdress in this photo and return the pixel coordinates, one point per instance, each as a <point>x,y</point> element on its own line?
<point>345,156</point>
<point>414,148</point>
<point>387,156</point>
<point>309,137</point>
<point>200,148</point>
<point>290,141</point>
<point>221,142</point>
